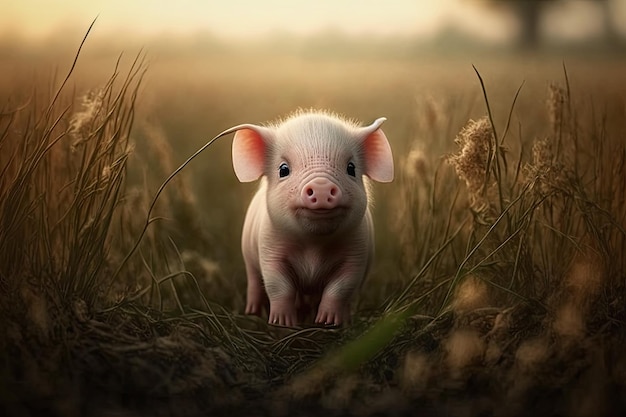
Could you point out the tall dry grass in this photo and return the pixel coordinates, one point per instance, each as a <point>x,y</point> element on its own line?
<point>63,164</point>
<point>519,229</point>
<point>534,207</point>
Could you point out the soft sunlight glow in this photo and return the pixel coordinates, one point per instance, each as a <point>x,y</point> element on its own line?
<point>244,19</point>
<point>237,18</point>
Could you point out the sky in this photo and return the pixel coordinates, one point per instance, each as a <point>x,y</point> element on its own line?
<point>251,18</point>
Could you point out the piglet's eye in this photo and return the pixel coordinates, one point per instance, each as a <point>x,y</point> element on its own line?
<point>283,170</point>
<point>351,169</point>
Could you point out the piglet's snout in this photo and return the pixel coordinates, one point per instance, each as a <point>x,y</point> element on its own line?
<point>321,193</point>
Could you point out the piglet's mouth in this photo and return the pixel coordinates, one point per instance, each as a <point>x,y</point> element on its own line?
<point>321,222</point>
<point>321,213</point>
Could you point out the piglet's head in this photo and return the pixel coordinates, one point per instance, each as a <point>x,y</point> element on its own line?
<point>315,165</point>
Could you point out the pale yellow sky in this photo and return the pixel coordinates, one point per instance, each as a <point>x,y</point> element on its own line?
<point>245,18</point>
<point>239,18</point>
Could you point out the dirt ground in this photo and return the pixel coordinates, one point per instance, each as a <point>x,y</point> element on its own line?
<point>487,361</point>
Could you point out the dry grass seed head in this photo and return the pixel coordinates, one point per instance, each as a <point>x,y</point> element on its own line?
<point>470,295</point>
<point>546,167</point>
<point>531,353</point>
<point>471,162</point>
<point>556,107</point>
<point>585,277</point>
<point>429,112</point>
<point>416,371</point>
<point>581,285</point>
<point>81,122</point>
<point>463,347</point>
<point>415,165</point>
<point>569,320</point>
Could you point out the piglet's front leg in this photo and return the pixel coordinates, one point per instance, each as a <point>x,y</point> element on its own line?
<point>282,297</point>
<point>334,307</point>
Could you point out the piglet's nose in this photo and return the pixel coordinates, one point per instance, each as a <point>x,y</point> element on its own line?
<point>321,193</point>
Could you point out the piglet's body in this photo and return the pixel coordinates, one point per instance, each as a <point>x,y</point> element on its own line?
<point>308,233</point>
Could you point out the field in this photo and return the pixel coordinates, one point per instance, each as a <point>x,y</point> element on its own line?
<point>498,286</point>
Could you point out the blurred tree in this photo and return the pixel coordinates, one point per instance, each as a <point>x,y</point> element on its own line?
<point>529,14</point>
<point>608,22</point>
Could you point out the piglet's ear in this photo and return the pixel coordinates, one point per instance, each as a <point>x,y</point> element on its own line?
<point>249,150</point>
<point>377,152</point>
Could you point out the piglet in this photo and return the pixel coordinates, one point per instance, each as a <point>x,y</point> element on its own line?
<point>308,232</point>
